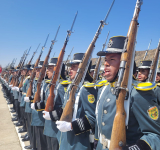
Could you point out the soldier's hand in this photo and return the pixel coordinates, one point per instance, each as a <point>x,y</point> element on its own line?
<point>46,115</point>
<point>64,126</point>
<point>26,99</point>
<point>33,106</point>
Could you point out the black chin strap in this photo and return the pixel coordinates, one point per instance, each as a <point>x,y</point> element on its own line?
<point>115,78</point>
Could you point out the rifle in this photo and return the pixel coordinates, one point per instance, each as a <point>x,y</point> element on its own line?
<point>95,75</point>
<point>14,63</point>
<point>19,72</point>
<point>21,60</point>
<point>29,92</point>
<point>147,50</point>
<point>154,65</point>
<point>9,67</point>
<point>57,70</point>
<point>43,70</point>
<point>23,76</point>
<point>68,110</point>
<point>118,136</point>
<point>69,57</point>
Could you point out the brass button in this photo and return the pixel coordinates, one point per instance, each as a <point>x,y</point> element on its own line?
<point>108,100</point>
<point>103,123</point>
<point>105,111</point>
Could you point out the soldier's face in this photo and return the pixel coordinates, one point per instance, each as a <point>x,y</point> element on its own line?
<point>73,71</point>
<point>50,71</point>
<point>38,72</point>
<point>158,77</point>
<point>112,62</point>
<point>91,73</point>
<point>23,72</point>
<point>15,72</point>
<point>143,74</point>
<point>29,72</point>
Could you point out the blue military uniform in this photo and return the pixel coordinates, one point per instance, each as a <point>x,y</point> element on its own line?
<point>37,121</point>
<point>83,120</point>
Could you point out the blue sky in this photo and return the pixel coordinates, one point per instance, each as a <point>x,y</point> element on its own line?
<point>25,23</point>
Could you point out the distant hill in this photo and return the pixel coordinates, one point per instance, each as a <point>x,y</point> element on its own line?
<point>138,57</point>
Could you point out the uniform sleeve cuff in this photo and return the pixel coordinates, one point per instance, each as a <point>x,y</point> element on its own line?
<point>40,105</point>
<point>81,125</point>
<point>140,145</point>
<point>56,114</point>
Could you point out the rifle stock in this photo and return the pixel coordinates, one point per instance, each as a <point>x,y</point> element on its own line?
<point>29,91</point>
<point>118,136</point>
<point>50,101</point>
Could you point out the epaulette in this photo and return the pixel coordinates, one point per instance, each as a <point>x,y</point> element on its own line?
<point>158,84</point>
<point>64,82</point>
<point>47,81</point>
<point>102,83</point>
<point>36,79</point>
<point>145,86</point>
<point>89,85</point>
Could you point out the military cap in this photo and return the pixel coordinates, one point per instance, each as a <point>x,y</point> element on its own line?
<point>28,67</point>
<point>77,58</point>
<point>115,45</point>
<point>32,66</point>
<point>93,67</point>
<point>16,69</point>
<point>11,68</point>
<point>145,64</point>
<point>158,70</point>
<point>40,64</point>
<point>53,62</point>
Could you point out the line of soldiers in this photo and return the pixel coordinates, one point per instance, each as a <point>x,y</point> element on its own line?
<point>94,109</point>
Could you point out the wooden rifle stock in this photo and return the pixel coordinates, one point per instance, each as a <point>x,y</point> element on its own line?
<point>42,74</point>
<point>50,101</point>
<point>118,136</point>
<point>154,64</point>
<point>21,83</point>
<point>29,91</point>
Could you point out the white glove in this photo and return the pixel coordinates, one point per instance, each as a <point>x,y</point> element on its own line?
<point>11,85</point>
<point>33,106</point>
<point>63,126</point>
<point>13,88</point>
<point>26,99</point>
<point>16,89</point>
<point>46,115</point>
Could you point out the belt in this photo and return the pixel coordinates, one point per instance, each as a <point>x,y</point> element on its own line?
<point>104,141</point>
